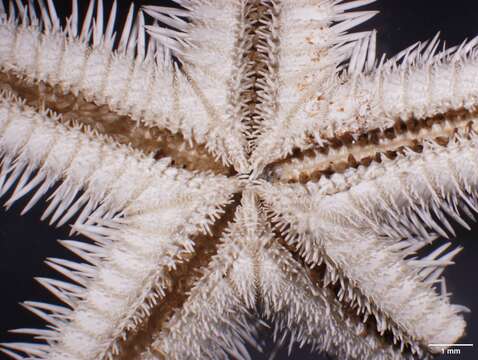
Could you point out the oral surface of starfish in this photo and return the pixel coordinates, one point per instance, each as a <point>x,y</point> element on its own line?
<point>234,164</point>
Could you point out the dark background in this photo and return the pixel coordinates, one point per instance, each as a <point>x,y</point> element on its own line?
<point>25,241</point>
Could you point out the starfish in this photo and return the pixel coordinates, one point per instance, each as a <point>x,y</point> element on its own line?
<point>236,163</point>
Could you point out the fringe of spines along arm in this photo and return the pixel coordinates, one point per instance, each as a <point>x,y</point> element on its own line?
<point>212,47</point>
<point>302,68</point>
<point>227,287</point>
<point>86,58</point>
<point>428,83</point>
<point>34,146</point>
<point>302,312</point>
<point>195,331</point>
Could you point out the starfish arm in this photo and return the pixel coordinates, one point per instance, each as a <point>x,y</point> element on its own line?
<point>299,305</point>
<point>212,47</point>
<point>370,270</point>
<point>38,151</point>
<point>417,85</point>
<point>302,50</point>
<point>82,61</point>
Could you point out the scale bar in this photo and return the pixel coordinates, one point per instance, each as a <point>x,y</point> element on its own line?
<point>450,345</point>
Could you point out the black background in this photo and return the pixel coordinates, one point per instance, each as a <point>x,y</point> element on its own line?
<point>25,241</point>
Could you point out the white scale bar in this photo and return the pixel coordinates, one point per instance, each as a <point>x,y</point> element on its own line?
<point>451,345</point>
